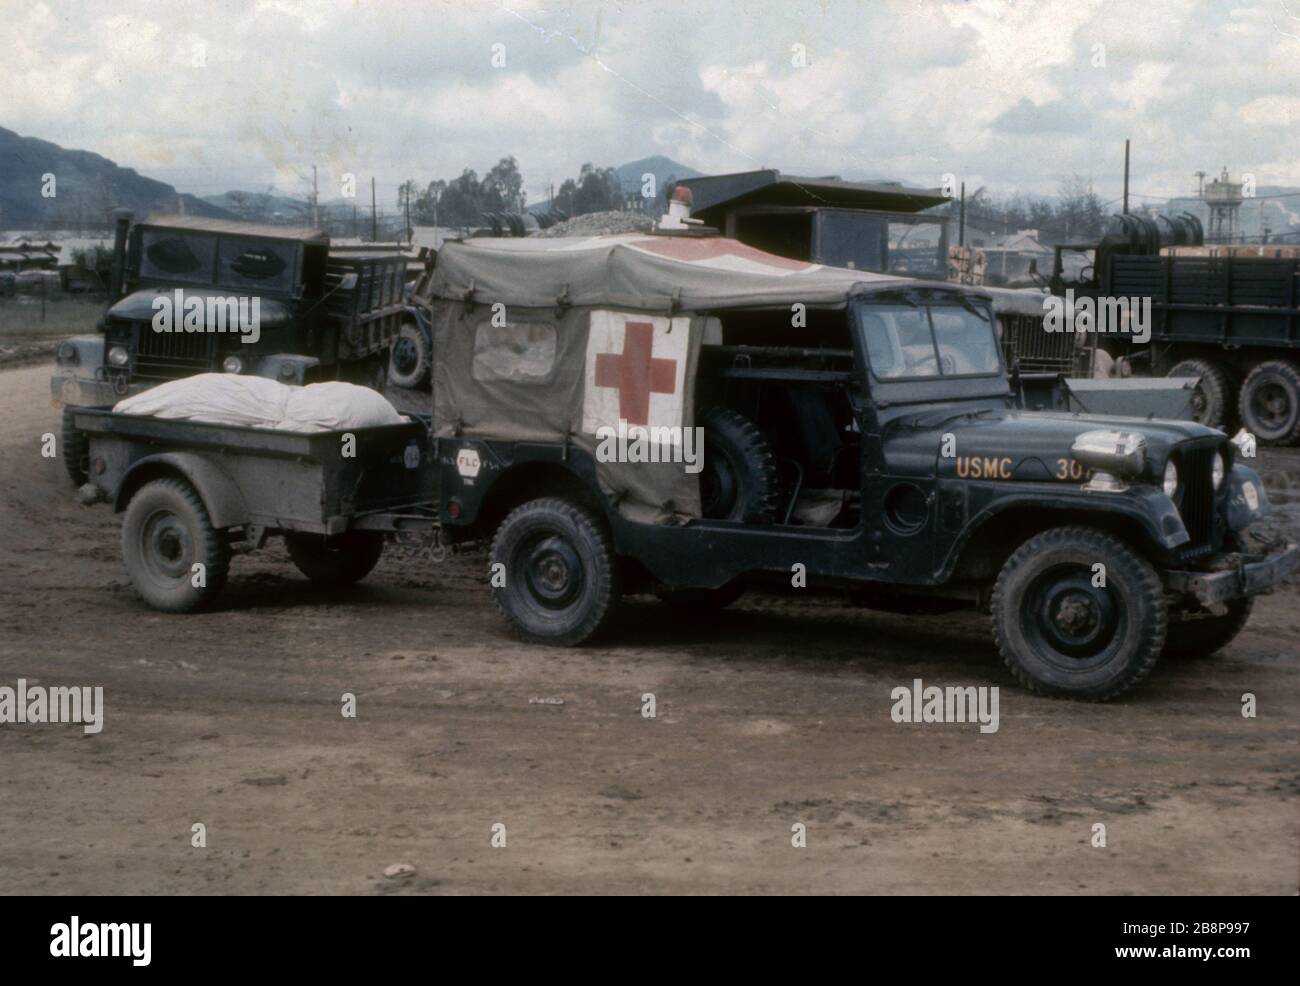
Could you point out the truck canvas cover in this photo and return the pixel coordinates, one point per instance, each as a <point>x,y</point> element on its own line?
<point>555,340</point>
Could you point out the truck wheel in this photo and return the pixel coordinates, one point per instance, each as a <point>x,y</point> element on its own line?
<point>1060,634</point>
<point>701,600</point>
<point>340,559</point>
<point>412,357</point>
<point>76,450</point>
<point>561,582</point>
<point>1210,398</point>
<point>1270,402</point>
<point>1201,636</point>
<point>739,480</point>
<point>165,534</point>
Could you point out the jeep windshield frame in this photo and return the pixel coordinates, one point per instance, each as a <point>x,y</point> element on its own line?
<point>877,318</point>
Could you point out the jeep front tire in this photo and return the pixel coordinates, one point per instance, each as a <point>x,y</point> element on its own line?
<point>1068,628</point>
<point>558,580</point>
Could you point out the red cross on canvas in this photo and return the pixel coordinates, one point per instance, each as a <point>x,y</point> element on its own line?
<point>636,373</point>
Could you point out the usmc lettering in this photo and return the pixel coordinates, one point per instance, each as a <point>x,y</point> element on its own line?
<point>983,467</point>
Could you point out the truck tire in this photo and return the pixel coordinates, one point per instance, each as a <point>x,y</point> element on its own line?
<point>1270,402</point>
<point>1062,636</point>
<point>739,480</point>
<point>412,357</point>
<point>561,583</point>
<point>76,450</point>
<point>165,533</point>
<point>1204,635</point>
<point>340,559</point>
<point>1210,400</point>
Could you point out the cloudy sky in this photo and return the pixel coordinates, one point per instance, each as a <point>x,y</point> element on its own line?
<point>1011,94</point>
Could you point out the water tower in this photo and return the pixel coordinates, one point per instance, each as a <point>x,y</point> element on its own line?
<point>1224,198</point>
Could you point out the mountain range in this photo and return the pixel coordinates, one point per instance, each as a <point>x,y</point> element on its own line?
<point>45,186</point>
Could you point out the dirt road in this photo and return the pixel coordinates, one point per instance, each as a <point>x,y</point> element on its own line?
<point>771,714</point>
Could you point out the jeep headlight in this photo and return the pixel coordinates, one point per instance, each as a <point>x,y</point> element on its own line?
<point>118,356</point>
<point>1170,483</point>
<point>232,364</point>
<point>67,353</point>
<point>1120,452</point>
<point>1217,470</point>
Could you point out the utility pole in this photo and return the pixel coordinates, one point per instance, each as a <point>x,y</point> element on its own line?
<point>408,209</point>
<point>961,222</point>
<point>315,199</point>
<point>1126,176</point>
<point>374,219</point>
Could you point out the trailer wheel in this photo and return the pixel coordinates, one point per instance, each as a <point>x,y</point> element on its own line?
<point>166,537</point>
<point>412,357</point>
<point>559,579</point>
<point>340,559</point>
<point>739,480</point>
<point>1063,635</point>
<point>1210,398</point>
<point>76,450</point>
<point>1270,402</point>
<point>1201,636</point>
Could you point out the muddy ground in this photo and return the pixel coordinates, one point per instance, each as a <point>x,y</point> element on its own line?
<point>773,713</point>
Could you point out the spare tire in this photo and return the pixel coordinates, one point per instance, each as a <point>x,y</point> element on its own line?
<point>739,479</point>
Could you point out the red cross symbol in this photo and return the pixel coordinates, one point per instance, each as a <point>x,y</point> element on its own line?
<point>636,373</point>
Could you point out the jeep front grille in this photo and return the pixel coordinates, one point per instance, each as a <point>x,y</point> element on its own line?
<point>172,355</point>
<point>1196,505</point>
<point>1039,351</point>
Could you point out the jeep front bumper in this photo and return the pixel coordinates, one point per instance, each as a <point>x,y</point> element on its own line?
<point>1249,577</point>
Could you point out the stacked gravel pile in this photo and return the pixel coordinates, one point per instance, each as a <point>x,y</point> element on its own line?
<point>599,223</point>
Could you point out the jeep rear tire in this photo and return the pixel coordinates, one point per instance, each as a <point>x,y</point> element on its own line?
<point>1270,402</point>
<point>412,357</point>
<point>561,577</point>
<point>340,559</point>
<point>739,480</point>
<point>1060,634</point>
<point>1201,636</point>
<point>76,450</point>
<point>1210,398</point>
<point>165,533</point>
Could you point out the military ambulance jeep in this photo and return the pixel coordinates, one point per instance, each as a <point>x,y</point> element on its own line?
<point>321,316</point>
<point>860,433</point>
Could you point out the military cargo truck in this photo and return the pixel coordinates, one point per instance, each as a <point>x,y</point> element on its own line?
<point>181,286</point>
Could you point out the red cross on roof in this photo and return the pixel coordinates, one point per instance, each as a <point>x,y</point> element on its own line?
<point>636,373</point>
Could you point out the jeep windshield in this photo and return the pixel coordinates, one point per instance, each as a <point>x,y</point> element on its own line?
<point>911,341</point>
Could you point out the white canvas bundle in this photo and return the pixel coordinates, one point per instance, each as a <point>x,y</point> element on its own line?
<point>258,402</point>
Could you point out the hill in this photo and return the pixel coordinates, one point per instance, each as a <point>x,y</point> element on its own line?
<point>87,188</point>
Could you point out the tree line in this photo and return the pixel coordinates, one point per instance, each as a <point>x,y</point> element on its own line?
<point>463,200</point>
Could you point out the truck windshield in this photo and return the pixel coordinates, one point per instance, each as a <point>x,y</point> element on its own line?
<point>904,341</point>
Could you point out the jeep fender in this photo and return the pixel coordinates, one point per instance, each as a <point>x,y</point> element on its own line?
<point>220,494</point>
<point>1147,509</point>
